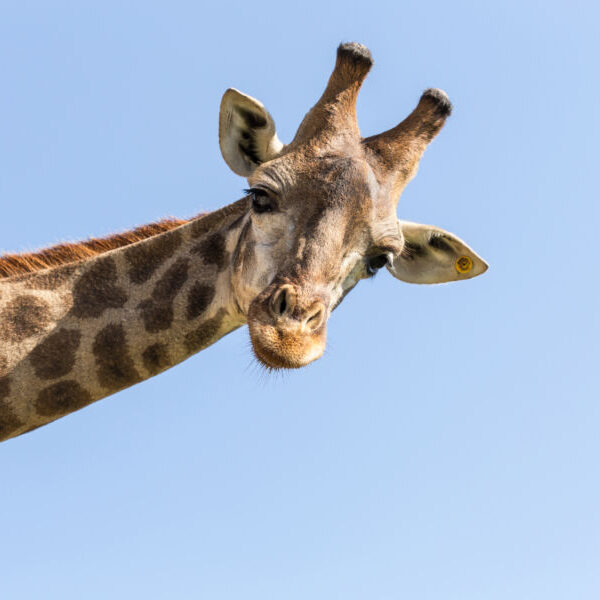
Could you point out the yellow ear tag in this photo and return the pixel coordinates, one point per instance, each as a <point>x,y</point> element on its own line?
<point>464,264</point>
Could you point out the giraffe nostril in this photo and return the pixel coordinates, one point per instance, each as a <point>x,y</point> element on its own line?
<point>282,302</point>
<point>286,312</point>
<point>315,318</point>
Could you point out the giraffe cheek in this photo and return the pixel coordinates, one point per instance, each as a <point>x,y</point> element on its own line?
<point>250,285</point>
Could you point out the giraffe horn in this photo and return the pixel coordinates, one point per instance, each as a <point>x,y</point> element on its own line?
<point>399,150</point>
<point>335,111</point>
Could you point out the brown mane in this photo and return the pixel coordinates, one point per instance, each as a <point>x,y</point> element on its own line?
<point>61,254</point>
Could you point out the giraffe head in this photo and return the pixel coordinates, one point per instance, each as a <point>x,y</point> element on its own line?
<point>322,211</point>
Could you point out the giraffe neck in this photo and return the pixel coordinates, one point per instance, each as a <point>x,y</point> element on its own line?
<point>77,333</point>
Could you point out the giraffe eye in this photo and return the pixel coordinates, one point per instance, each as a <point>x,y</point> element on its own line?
<point>377,262</point>
<point>261,201</point>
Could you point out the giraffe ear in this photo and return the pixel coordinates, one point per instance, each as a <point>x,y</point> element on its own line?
<point>246,133</point>
<point>432,255</point>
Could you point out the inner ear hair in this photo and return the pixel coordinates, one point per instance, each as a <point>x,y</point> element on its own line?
<point>441,242</point>
<point>248,145</point>
<point>251,119</point>
<point>412,250</point>
<point>246,133</point>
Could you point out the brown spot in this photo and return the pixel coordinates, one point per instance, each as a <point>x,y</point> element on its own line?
<point>3,365</point>
<point>203,336</point>
<point>4,387</point>
<point>61,399</point>
<point>212,250</point>
<point>157,311</point>
<point>146,257</point>
<point>9,422</point>
<point>199,299</point>
<point>115,368</point>
<point>156,358</point>
<point>170,283</point>
<point>156,316</point>
<point>55,356</point>
<point>24,317</point>
<point>95,291</point>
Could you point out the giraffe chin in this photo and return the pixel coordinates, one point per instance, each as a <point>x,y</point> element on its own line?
<point>276,349</point>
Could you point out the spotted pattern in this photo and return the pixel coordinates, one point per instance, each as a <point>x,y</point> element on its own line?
<point>157,311</point>
<point>4,387</point>
<point>55,356</point>
<point>156,358</point>
<point>114,366</point>
<point>96,290</point>
<point>145,258</point>
<point>61,399</point>
<point>9,422</point>
<point>156,316</point>
<point>199,298</point>
<point>201,337</point>
<point>212,250</point>
<point>24,317</point>
<point>50,279</point>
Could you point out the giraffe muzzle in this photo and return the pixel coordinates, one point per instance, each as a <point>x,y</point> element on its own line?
<point>287,327</point>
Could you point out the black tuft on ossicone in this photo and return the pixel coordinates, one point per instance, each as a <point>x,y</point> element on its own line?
<point>355,52</point>
<point>440,98</point>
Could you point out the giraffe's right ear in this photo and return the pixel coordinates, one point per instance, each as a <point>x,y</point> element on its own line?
<point>246,133</point>
<point>432,255</point>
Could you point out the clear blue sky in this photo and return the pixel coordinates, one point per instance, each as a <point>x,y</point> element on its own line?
<point>447,445</point>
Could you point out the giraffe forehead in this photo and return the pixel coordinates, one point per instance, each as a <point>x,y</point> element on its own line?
<point>304,178</point>
<point>337,204</point>
<point>344,211</point>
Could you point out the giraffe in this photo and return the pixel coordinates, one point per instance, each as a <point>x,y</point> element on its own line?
<point>79,322</point>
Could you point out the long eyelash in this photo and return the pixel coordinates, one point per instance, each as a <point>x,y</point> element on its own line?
<point>255,190</point>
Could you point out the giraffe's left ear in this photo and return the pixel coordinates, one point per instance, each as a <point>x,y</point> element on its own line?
<point>432,255</point>
<point>246,133</point>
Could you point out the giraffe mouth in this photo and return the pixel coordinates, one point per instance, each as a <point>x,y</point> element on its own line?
<point>280,349</point>
<point>288,325</point>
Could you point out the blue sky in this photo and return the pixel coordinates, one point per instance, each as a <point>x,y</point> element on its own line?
<point>446,446</point>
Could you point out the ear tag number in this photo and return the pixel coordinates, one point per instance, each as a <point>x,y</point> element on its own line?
<point>464,264</point>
